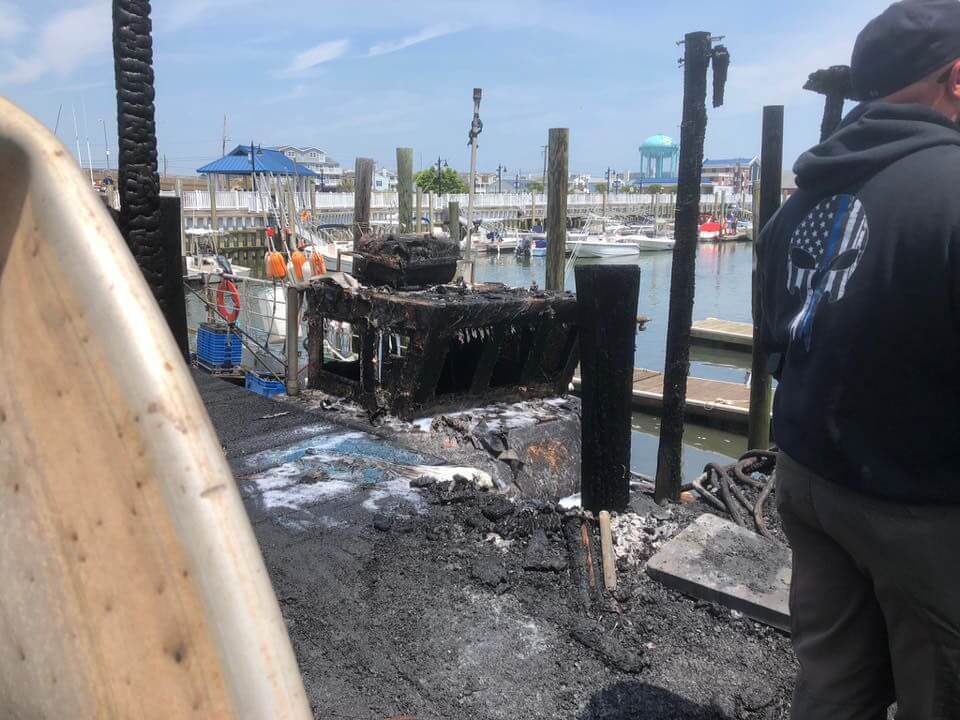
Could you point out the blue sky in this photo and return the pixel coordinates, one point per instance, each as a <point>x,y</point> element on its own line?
<point>361,77</point>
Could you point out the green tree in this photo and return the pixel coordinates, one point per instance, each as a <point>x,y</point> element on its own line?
<point>346,185</point>
<point>601,187</point>
<point>535,186</point>
<point>449,182</point>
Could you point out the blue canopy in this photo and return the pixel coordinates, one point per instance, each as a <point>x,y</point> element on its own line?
<point>238,162</point>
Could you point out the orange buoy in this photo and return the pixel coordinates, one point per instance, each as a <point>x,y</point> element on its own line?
<point>276,267</point>
<point>298,259</point>
<point>318,265</point>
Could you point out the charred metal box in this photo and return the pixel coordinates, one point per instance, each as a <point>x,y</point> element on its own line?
<point>404,261</point>
<point>439,349</point>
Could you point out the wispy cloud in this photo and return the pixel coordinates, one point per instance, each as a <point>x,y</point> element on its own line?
<point>11,22</point>
<point>67,41</point>
<point>428,33</point>
<point>324,52</point>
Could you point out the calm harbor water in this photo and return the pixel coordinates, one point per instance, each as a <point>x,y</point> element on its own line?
<point>722,290</point>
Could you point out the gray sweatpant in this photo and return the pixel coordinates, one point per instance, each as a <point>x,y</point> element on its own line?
<point>874,602</point>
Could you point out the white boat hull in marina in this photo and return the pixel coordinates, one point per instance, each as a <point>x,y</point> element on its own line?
<point>602,249</point>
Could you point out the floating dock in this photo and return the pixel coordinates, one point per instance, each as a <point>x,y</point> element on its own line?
<point>726,334</point>
<point>710,402</point>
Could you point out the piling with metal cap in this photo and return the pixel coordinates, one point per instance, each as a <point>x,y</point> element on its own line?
<point>607,297</point>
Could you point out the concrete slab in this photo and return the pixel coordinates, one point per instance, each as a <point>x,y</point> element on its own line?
<point>719,561</point>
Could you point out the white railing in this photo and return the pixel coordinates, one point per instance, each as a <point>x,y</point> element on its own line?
<point>246,201</point>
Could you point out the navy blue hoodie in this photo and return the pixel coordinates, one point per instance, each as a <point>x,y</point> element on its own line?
<point>860,273</point>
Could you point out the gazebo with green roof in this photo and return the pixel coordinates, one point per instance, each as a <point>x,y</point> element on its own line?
<point>659,158</point>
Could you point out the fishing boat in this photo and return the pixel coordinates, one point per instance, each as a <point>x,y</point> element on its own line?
<point>205,259</point>
<point>602,248</point>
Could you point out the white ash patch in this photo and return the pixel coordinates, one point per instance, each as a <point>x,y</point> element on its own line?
<point>637,537</point>
<point>571,502</point>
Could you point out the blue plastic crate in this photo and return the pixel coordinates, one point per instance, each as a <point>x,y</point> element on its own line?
<point>262,386</point>
<point>217,347</point>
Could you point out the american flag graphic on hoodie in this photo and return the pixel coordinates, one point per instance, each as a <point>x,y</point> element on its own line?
<point>825,250</point>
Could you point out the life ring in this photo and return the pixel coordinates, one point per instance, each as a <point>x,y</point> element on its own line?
<point>227,286</point>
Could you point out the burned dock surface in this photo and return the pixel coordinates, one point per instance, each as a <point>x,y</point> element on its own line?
<point>452,602</point>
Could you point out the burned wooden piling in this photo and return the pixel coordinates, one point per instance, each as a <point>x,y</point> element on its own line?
<point>836,84</point>
<point>150,234</point>
<point>607,298</point>
<point>697,56</point>
<point>771,177</point>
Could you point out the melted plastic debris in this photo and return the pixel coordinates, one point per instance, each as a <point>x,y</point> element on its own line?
<point>300,477</point>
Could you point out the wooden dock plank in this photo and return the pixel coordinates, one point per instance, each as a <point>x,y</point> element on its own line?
<point>723,333</point>
<point>712,402</point>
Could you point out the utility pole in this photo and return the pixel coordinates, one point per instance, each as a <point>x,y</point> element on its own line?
<point>476,127</point>
<point>223,143</point>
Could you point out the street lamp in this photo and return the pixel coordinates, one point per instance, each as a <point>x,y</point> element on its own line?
<point>500,170</point>
<point>440,165</point>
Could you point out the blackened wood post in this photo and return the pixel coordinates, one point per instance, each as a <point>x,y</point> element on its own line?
<point>556,227</point>
<point>152,230</point>
<point>771,175</point>
<point>405,188</point>
<point>175,307</point>
<point>607,297</point>
<point>362,187</point>
<point>687,219</point>
<point>836,84</point>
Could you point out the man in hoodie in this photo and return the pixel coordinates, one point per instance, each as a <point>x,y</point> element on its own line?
<point>861,315</point>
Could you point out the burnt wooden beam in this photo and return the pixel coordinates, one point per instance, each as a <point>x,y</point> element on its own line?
<point>697,54</point>
<point>836,84</point>
<point>607,297</point>
<point>488,360</point>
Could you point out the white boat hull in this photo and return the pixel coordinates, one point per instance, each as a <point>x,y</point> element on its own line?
<point>602,249</point>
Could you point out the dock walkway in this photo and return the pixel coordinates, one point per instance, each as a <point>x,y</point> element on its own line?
<point>722,333</point>
<point>711,402</point>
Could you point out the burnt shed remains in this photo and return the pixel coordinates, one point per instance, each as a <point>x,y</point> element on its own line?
<point>442,348</point>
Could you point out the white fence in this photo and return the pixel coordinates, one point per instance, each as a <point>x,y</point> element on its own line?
<point>246,201</point>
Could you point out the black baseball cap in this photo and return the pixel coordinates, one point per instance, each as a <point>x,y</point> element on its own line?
<point>910,40</point>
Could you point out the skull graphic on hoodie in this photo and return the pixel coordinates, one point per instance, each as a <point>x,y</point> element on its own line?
<point>825,251</point>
